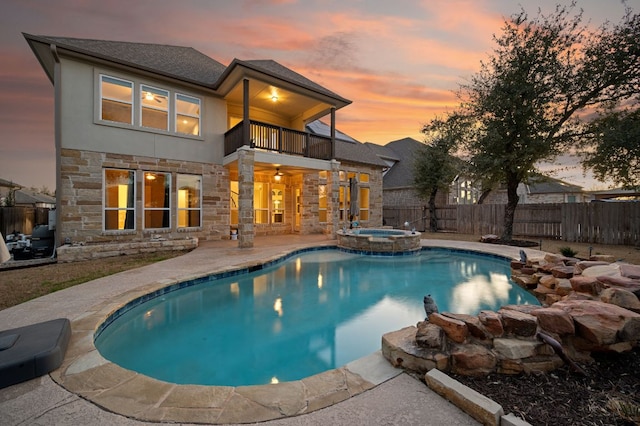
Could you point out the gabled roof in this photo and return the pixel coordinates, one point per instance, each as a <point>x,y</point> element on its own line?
<point>182,63</point>
<point>347,148</point>
<point>25,196</point>
<point>383,152</point>
<point>540,184</point>
<point>401,174</point>
<point>178,62</point>
<point>9,184</point>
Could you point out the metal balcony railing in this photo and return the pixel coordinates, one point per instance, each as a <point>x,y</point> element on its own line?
<point>278,139</point>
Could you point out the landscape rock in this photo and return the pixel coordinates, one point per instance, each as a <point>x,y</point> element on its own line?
<point>429,335</point>
<point>472,360</point>
<point>555,320</point>
<point>630,271</point>
<point>514,348</point>
<point>518,323</point>
<point>562,271</point>
<point>602,323</point>
<point>582,265</point>
<point>473,324</point>
<point>548,281</point>
<point>621,297</point>
<point>492,322</point>
<point>586,284</point>
<point>563,287</point>
<point>455,330</point>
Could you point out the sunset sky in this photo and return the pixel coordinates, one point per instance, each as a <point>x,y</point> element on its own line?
<point>398,61</point>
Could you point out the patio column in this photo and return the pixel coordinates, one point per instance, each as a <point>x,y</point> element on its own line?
<point>246,232</point>
<point>333,133</point>
<point>333,199</point>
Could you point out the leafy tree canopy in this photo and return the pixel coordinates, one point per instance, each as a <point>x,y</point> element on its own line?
<point>526,102</point>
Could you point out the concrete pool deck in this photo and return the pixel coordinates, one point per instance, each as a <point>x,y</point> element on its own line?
<point>366,391</point>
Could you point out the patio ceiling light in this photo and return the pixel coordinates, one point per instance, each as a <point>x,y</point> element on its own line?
<point>278,175</point>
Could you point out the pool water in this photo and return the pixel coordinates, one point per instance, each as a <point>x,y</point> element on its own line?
<point>314,312</point>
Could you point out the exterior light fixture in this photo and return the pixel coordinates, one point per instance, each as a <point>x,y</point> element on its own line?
<point>278,175</point>
<point>274,98</point>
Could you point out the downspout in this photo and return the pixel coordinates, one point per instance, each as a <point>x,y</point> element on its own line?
<point>57,132</point>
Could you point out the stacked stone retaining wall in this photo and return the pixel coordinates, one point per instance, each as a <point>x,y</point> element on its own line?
<point>587,306</point>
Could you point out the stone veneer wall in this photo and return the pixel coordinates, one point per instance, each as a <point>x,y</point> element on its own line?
<point>81,194</point>
<point>594,313</point>
<point>78,252</point>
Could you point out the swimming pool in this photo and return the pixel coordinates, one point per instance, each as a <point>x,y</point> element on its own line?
<point>314,312</point>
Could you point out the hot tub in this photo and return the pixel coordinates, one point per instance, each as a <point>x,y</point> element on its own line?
<point>379,241</point>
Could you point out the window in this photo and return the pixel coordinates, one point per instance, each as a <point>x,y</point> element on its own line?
<point>157,190</point>
<point>342,197</point>
<point>322,203</point>
<point>154,108</point>
<point>364,177</point>
<point>187,115</point>
<point>116,100</point>
<point>261,202</point>
<point>189,200</point>
<point>233,203</point>
<point>277,203</point>
<point>119,200</point>
<point>364,203</point>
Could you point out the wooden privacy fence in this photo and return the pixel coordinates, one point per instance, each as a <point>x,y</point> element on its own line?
<point>598,222</point>
<point>22,219</point>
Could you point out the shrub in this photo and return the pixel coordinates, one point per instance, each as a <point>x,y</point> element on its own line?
<point>568,251</point>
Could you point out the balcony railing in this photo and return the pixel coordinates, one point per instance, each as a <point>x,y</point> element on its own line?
<point>278,139</point>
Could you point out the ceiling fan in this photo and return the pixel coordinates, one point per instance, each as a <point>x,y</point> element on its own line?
<point>153,97</point>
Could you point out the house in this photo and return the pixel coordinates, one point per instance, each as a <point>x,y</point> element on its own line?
<point>29,198</point>
<point>163,141</point>
<point>6,188</point>
<point>540,189</point>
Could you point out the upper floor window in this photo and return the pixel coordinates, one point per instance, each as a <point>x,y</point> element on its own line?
<point>187,114</point>
<point>154,107</point>
<point>116,100</point>
<point>119,200</point>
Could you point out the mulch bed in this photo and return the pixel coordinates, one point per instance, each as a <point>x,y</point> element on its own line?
<point>608,395</point>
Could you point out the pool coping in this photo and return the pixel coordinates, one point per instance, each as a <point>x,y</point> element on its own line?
<point>86,373</point>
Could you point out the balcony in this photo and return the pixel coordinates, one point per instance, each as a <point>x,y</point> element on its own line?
<point>278,139</point>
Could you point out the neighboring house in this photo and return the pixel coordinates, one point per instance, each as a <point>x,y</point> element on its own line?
<point>616,194</point>
<point>398,187</point>
<point>6,187</point>
<point>156,140</point>
<point>28,198</point>
<point>540,189</point>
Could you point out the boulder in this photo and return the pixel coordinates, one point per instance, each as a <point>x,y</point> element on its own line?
<point>455,330</point>
<point>563,287</point>
<point>621,297</point>
<point>554,320</point>
<point>472,360</point>
<point>586,284</point>
<point>630,271</point>
<point>430,336</point>
<point>562,271</point>
<point>602,323</point>
<point>518,323</point>
<point>548,281</point>
<point>515,348</point>
<point>582,265</point>
<point>492,322</point>
<point>473,324</point>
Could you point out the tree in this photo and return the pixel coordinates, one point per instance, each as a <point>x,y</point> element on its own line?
<point>434,167</point>
<point>526,101</point>
<point>614,150</point>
